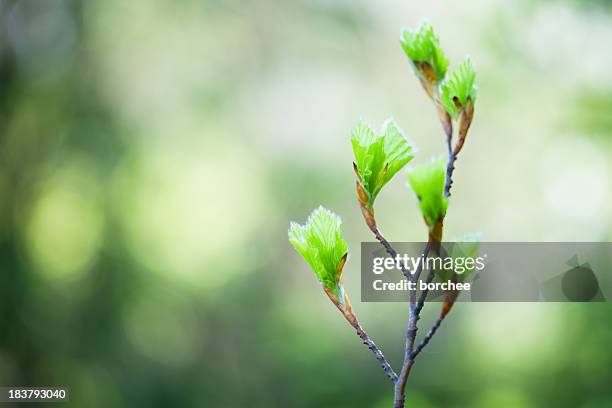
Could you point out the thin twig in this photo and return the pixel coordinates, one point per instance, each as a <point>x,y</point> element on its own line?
<point>377,353</point>
<point>347,311</point>
<point>391,251</point>
<point>424,293</point>
<point>426,250</point>
<point>416,307</point>
<point>434,243</point>
<point>400,385</point>
<point>411,332</point>
<point>428,337</point>
<point>450,165</point>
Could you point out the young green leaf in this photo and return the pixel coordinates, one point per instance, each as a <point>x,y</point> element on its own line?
<point>427,182</point>
<point>458,88</point>
<point>426,57</point>
<point>378,157</point>
<point>321,244</point>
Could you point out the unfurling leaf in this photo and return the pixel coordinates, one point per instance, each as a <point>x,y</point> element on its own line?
<point>426,57</point>
<point>427,182</point>
<point>378,157</point>
<point>321,244</point>
<point>458,91</point>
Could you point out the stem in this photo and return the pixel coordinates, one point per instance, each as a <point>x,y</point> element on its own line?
<point>417,273</point>
<point>450,165</point>
<point>447,305</point>
<point>411,332</point>
<point>419,269</point>
<point>435,239</point>
<point>400,385</point>
<point>390,250</point>
<point>414,311</point>
<point>347,311</point>
<point>424,293</point>
<point>428,337</point>
<point>377,353</point>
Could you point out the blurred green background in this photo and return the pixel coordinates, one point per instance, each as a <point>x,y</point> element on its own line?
<point>152,154</point>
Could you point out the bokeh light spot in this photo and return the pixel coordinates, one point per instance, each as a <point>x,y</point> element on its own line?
<point>65,226</point>
<point>185,221</point>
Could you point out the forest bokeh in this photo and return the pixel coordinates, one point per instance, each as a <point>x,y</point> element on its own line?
<point>153,153</point>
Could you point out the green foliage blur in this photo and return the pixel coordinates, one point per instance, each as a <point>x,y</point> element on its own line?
<point>152,154</point>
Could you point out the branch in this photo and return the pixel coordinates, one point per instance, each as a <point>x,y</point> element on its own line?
<point>411,332</point>
<point>370,220</point>
<point>465,120</point>
<point>452,156</point>
<point>464,125</point>
<point>447,305</point>
<point>424,293</point>
<point>346,309</point>
<point>377,353</point>
<point>435,237</point>
<point>450,167</point>
<point>390,250</point>
<point>435,242</point>
<point>428,337</point>
<point>419,269</point>
<point>417,274</point>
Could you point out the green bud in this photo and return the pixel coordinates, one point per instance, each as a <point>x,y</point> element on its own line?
<point>321,244</point>
<point>458,91</point>
<point>378,157</point>
<point>426,57</point>
<point>427,182</point>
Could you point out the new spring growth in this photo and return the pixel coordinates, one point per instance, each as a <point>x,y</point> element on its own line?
<point>427,59</point>
<point>378,157</point>
<point>422,47</point>
<point>321,244</point>
<point>458,95</point>
<point>427,181</point>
